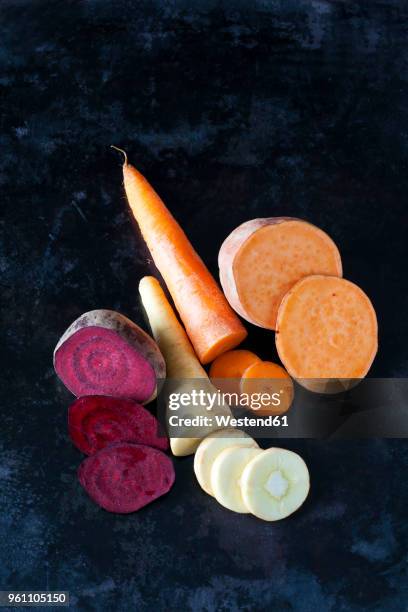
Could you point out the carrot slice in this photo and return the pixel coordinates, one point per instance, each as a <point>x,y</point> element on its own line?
<point>263,258</point>
<point>326,333</point>
<point>211,324</point>
<point>226,371</point>
<point>232,364</point>
<point>270,379</point>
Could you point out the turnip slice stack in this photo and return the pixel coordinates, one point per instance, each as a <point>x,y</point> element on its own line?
<point>104,353</point>
<point>95,421</point>
<point>125,477</point>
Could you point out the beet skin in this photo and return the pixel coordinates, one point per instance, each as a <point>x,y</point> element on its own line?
<point>104,353</point>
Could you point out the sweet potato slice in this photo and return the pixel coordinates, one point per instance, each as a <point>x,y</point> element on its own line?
<point>125,477</point>
<point>104,353</point>
<point>263,258</point>
<point>326,333</point>
<point>95,421</point>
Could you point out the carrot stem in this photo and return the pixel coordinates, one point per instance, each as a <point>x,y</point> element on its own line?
<point>125,163</point>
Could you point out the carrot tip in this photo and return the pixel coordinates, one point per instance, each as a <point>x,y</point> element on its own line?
<point>123,152</point>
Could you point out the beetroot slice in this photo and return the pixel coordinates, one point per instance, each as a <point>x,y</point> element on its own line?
<point>104,353</point>
<point>125,477</point>
<point>95,421</point>
<point>97,360</point>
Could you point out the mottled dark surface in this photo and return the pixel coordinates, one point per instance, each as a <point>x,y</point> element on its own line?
<point>233,110</point>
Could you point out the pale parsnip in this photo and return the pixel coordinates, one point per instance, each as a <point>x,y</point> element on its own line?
<point>211,447</point>
<point>274,484</point>
<point>226,476</point>
<point>181,361</point>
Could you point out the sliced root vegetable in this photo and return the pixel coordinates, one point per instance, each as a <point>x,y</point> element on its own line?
<point>326,333</point>
<point>263,258</point>
<point>226,476</point>
<point>271,383</point>
<point>182,364</point>
<point>105,353</point>
<point>274,484</point>
<point>227,370</point>
<point>211,324</point>
<point>232,364</point>
<point>211,447</point>
<point>95,421</point>
<point>125,477</point>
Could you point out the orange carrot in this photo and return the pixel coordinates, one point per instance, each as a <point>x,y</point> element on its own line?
<point>211,324</point>
<point>326,333</point>
<point>265,377</point>
<point>227,369</point>
<point>232,364</point>
<point>263,258</point>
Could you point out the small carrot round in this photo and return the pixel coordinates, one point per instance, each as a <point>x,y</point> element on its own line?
<point>232,364</point>
<point>270,379</point>
<point>227,369</point>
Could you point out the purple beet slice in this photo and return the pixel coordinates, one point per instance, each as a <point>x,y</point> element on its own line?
<point>104,353</point>
<point>125,477</point>
<point>95,421</point>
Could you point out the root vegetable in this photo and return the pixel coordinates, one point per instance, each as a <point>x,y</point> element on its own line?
<point>232,364</point>
<point>226,475</point>
<point>268,379</point>
<point>211,447</point>
<point>125,477</point>
<point>326,333</point>
<point>181,360</point>
<point>274,484</point>
<point>182,364</point>
<point>263,258</point>
<point>104,353</point>
<point>211,324</point>
<point>96,421</point>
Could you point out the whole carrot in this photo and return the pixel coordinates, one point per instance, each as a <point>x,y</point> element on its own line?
<point>211,324</point>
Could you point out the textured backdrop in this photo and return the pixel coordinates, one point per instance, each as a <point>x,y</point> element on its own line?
<point>232,110</point>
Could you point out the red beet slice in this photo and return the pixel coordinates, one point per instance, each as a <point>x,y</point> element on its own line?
<point>104,353</point>
<point>95,421</point>
<point>125,477</point>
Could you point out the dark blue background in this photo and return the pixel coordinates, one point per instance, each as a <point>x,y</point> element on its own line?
<point>233,110</point>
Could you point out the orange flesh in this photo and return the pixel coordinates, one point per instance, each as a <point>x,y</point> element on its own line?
<point>226,371</point>
<point>326,328</point>
<point>210,322</point>
<point>273,259</point>
<point>269,378</point>
<point>232,364</point>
